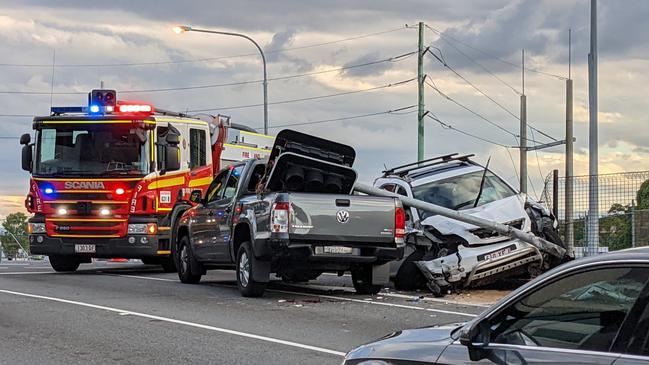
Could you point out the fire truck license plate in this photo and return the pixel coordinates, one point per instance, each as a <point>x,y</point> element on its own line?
<point>84,248</point>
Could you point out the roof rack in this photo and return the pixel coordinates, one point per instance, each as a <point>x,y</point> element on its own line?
<point>406,169</point>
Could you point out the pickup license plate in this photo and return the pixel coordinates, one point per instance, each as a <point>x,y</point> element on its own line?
<point>497,254</point>
<point>337,250</point>
<point>84,248</point>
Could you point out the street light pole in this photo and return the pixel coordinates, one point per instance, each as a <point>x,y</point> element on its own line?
<point>184,28</point>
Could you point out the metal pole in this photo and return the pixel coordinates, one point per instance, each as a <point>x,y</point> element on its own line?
<point>555,192</point>
<point>569,183</point>
<point>523,130</point>
<point>263,60</point>
<point>523,142</point>
<point>593,188</point>
<point>420,99</point>
<point>632,223</point>
<point>503,229</point>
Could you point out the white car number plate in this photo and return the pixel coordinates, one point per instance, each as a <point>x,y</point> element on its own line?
<point>337,250</point>
<point>84,248</point>
<point>497,254</point>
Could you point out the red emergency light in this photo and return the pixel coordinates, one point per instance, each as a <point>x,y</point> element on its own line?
<point>135,108</point>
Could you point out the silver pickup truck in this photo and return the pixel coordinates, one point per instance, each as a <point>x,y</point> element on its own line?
<point>292,215</point>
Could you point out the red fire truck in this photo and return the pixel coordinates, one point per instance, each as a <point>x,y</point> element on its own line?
<point>109,179</point>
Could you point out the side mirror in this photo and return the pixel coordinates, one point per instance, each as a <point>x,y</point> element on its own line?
<point>172,158</point>
<point>476,339</point>
<point>172,138</point>
<point>196,196</point>
<point>27,156</point>
<point>25,139</point>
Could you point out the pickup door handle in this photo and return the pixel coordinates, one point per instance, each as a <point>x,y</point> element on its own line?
<point>342,202</point>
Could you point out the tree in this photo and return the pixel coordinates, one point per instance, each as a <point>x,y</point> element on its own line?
<point>642,196</point>
<point>16,224</point>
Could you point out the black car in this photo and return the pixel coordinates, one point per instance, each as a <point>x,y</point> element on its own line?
<point>590,311</point>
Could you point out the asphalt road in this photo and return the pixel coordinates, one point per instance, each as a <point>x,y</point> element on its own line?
<point>135,314</point>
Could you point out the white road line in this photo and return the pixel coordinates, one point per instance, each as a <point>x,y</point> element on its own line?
<point>184,323</point>
<point>376,303</point>
<point>436,300</point>
<point>25,272</point>
<point>403,306</point>
<point>138,277</point>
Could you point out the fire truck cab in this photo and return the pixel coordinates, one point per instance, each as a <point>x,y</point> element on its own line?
<point>109,180</point>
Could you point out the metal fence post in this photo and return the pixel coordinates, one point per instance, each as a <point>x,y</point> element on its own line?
<point>632,223</point>
<point>555,192</point>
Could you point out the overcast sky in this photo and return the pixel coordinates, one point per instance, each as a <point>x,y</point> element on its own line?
<point>482,41</point>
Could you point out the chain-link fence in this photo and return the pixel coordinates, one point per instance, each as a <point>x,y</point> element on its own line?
<point>623,214</point>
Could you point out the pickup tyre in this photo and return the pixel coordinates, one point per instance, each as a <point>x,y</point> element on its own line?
<point>187,264</point>
<point>362,279</point>
<point>246,266</point>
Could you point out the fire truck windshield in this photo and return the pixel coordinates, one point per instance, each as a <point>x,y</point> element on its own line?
<point>91,150</point>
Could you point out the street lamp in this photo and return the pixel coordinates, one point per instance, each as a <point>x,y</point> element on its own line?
<point>185,28</point>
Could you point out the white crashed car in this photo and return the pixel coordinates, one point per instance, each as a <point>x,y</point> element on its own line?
<point>441,252</point>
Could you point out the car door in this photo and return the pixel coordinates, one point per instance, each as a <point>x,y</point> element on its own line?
<point>223,214</point>
<point>204,228</point>
<point>573,320</point>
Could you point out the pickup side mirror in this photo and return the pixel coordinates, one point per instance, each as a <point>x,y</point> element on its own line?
<point>27,157</point>
<point>476,339</point>
<point>25,139</point>
<point>196,196</point>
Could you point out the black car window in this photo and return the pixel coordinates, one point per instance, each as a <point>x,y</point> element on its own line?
<point>583,311</point>
<point>233,182</point>
<point>215,191</point>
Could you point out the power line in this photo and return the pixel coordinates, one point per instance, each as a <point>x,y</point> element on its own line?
<point>397,58</point>
<point>155,63</point>
<point>470,110</point>
<point>443,36</point>
<point>307,98</point>
<point>398,111</point>
<point>445,64</point>
<point>448,126</point>
<point>477,63</point>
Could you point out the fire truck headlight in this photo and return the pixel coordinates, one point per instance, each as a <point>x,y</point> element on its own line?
<point>62,211</point>
<point>104,211</point>
<point>137,228</point>
<point>34,228</point>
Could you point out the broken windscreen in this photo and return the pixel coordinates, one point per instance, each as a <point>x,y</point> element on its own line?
<point>460,192</point>
<point>92,150</point>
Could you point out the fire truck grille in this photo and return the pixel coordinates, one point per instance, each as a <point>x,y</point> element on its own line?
<point>85,227</point>
<point>84,196</point>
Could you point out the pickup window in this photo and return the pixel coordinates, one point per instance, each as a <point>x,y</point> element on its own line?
<point>215,191</point>
<point>233,182</point>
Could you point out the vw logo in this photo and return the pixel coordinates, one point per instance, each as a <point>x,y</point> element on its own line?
<point>342,216</point>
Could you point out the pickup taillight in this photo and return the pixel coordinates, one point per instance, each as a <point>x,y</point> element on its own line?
<point>279,217</point>
<point>399,225</point>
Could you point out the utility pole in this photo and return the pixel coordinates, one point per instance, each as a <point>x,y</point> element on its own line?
<point>523,132</point>
<point>569,183</point>
<point>593,153</point>
<point>420,101</point>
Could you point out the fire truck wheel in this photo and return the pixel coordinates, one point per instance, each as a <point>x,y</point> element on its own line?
<point>168,264</point>
<point>245,267</point>
<point>362,279</point>
<point>186,263</point>
<point>64,263</point>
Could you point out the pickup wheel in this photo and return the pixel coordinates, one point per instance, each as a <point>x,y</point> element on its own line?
<point>362,279</point>
<point>245,268</point>
<point>186,263</point>
<point>64,263</point>
<point>409,277</point>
